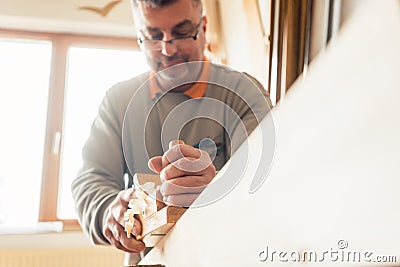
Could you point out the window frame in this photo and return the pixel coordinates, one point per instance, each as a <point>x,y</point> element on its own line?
<point>51,161</point>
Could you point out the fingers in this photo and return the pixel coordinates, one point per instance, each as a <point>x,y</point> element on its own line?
<point>113,241</point>
<point>135,246</point>
<point>137,228</point>
<point>199,160</point>
<point>181,200</point>
<point>155,164</point>
<point>183,185</point>
<point>125,196</point>
<point>129,245</point>
<point>185,172</point>
<point>186,158</point>
<point>191,184</point>
<point>179,151</point>
<point>114,224</point>
<point>115,233</point>
<point>180,168</point>
<point>120,204</point>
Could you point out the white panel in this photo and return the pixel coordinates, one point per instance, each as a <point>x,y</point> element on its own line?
<point>335,175</point>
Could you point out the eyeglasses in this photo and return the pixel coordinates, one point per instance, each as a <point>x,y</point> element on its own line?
<point>179,42</point>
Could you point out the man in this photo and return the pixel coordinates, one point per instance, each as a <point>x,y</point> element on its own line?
<point>128,135</point>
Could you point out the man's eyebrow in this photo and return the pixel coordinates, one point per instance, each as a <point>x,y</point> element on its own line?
<point>181,24</point>
<point>152,29</point>
<point>184,23</point>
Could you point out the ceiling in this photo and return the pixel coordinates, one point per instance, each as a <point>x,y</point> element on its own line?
<point>68,16</point>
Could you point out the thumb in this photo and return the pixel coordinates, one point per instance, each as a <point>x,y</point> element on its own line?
<point>155,164</point>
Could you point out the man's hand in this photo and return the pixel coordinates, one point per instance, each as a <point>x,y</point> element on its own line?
<point>113,229</point>
<point>185,171</point>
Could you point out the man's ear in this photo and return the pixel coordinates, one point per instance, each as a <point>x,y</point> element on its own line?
<point>205,21</point>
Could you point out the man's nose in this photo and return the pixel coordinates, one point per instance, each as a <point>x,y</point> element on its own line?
<point>168,49</point>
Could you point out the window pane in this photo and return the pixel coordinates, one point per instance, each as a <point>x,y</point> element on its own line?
<point>91,72</point>
<point>24,83</point>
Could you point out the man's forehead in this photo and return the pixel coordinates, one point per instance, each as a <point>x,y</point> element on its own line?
<point>180,13</point>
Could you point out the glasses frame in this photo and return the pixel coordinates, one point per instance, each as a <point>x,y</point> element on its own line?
<point>158,43</point>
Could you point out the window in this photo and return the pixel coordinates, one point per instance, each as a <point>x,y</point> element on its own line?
<point>51,87</point>
<point>90,73</point>
<point>24,83</point>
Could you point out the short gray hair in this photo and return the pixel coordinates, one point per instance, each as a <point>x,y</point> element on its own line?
<point>162,3</point>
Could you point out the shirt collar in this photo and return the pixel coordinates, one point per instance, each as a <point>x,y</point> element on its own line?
<point>197,90</point>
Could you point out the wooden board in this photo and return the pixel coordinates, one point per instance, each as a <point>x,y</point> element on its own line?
<point>155,227</point>
<point>158,224</point>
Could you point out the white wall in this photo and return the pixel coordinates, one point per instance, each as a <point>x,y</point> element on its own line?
<point>245,49</point>
<point>349,6</point>
<point>64,16</point>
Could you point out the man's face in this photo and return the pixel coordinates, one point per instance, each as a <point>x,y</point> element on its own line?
<point>183,18</point>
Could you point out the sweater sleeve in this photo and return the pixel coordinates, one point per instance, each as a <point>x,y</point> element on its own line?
<point>102,174</point>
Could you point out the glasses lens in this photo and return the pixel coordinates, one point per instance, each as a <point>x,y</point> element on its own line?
<point>156,45</point>
<point>152,44</point>
<point>183,42</point>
